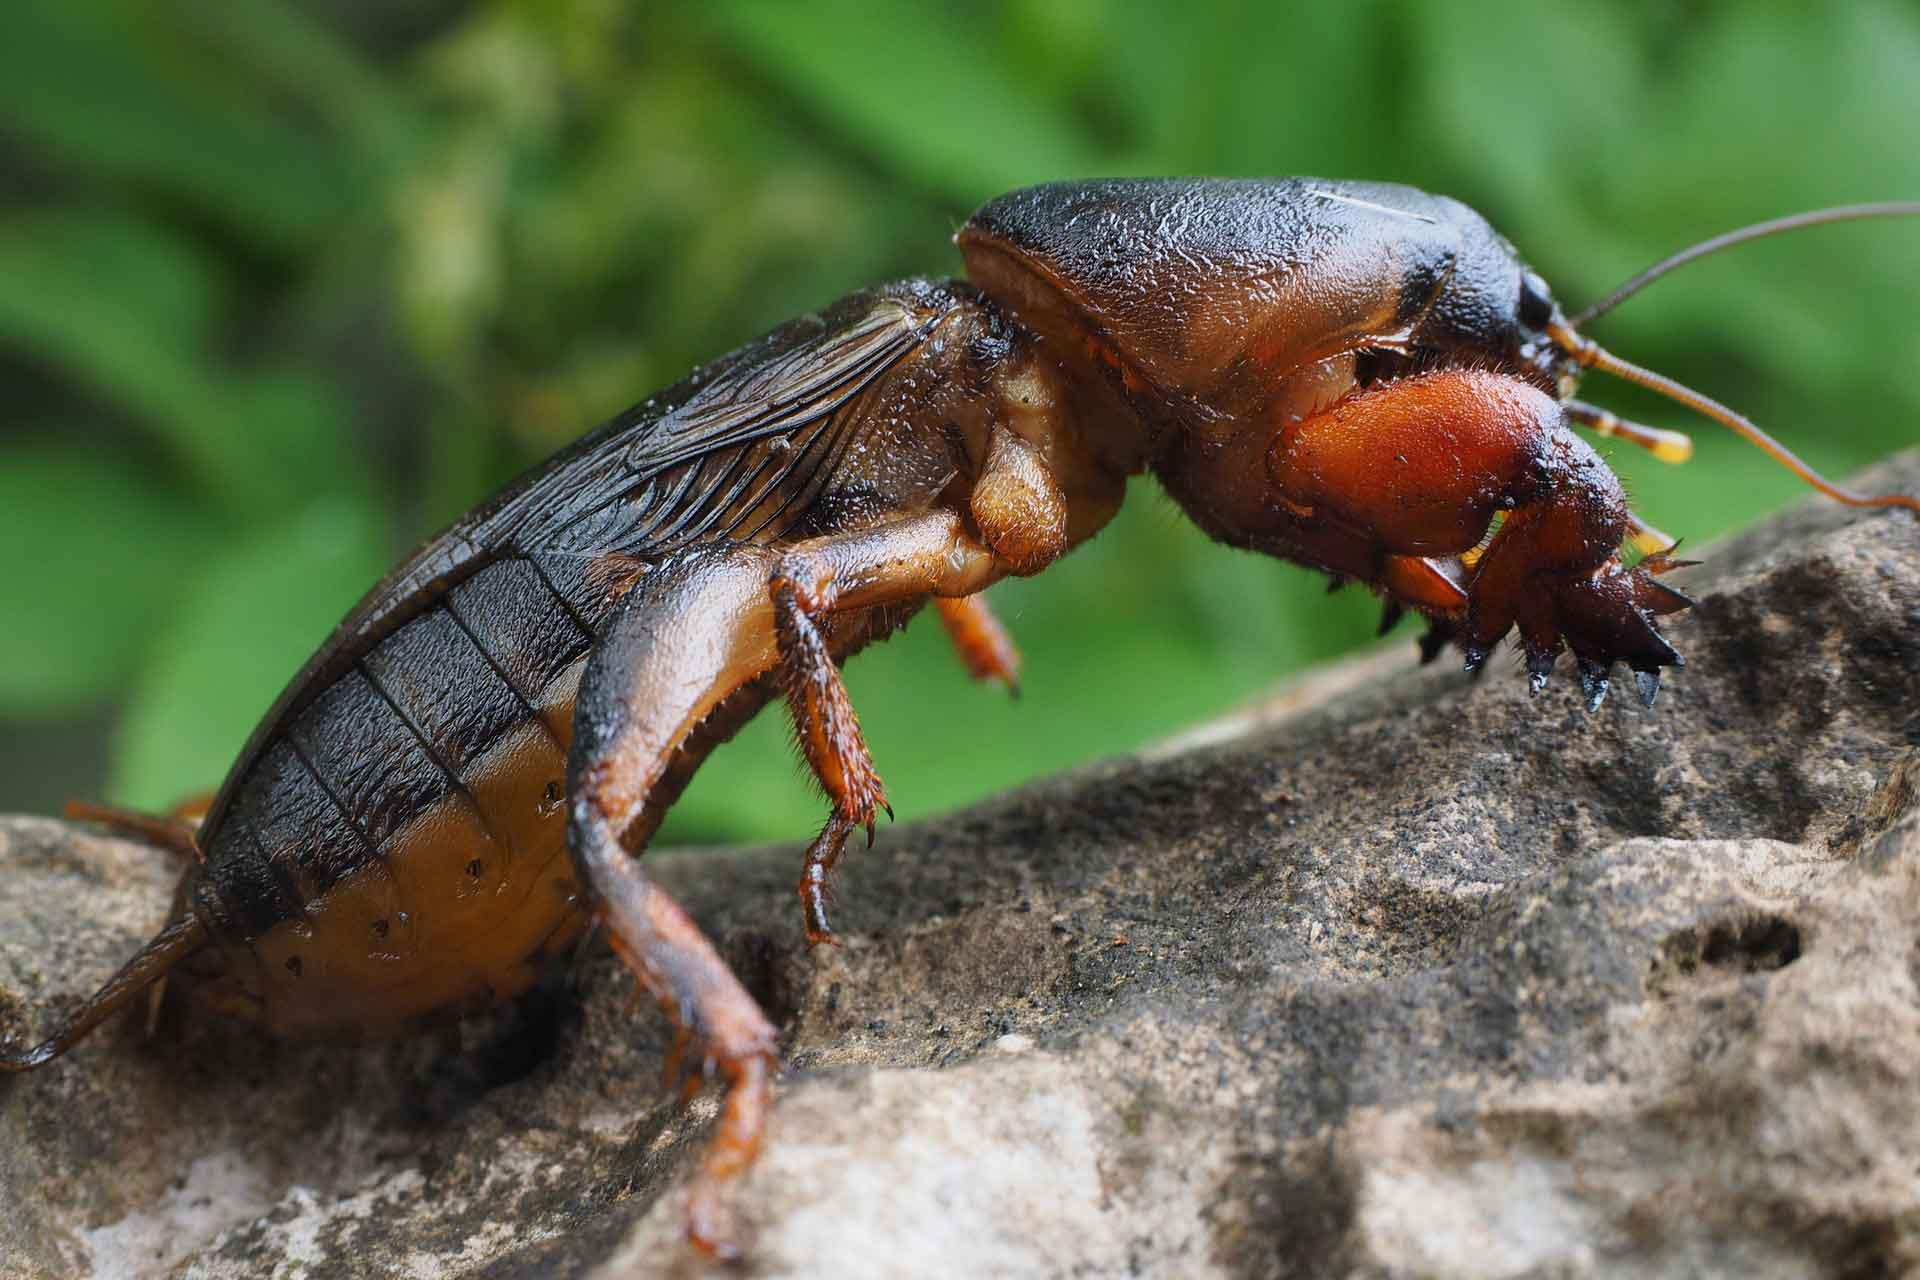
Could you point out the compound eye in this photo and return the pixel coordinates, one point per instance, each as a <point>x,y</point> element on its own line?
<point>1536,301</point>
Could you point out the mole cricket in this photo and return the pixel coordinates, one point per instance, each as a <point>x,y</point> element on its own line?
<point>1358,377</point>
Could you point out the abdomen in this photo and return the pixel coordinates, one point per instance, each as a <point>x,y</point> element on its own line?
<point>397,846</point>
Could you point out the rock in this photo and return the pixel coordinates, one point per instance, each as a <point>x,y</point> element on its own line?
<point>1397,974</point>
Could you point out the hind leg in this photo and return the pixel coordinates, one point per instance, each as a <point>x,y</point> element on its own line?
<point>684,640</point>
<point>712,1013</point>
<point>177,830</point>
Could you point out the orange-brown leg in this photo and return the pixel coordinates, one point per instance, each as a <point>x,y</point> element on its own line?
<point>713,1015</point>
<point>1419,467</point>
<point>816,878</point>
<point>931,554</point>
<point>982,642</point>
<point>1553,571</point>
<point>176,831</point>
<point>679,643</point>
<point>683,640</point>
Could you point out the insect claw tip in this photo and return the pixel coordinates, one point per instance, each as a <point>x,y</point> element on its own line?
<point>1594,683</point>
<point>1649,683</point>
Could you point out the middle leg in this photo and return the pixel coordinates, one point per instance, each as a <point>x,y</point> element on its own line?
<point>980,639</point>
<point>931,554</point>
<point>1019,523</point>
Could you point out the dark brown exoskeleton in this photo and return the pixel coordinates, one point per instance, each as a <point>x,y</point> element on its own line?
<point>1359,377</point>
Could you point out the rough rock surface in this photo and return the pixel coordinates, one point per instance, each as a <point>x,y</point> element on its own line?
<point>1397,975</point>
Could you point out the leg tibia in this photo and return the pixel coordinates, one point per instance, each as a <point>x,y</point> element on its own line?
<point>712,1013</point>
<point>931,554</point>
<point>1414,471</point>
<point>1574,528</point>
<point>904,560</point>
<point>1554,570</point>
<point>677,647</point>
<point>176,831</point>
<point>824,722</point>
<point>980,639</point>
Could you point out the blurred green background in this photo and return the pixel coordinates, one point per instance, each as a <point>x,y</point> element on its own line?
<point>286,286</point>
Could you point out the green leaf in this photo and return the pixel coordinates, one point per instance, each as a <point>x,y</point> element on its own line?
<point>124,309</point>
<point>95,556</point>
<point>243,628</point>
<point>921,88</point>
<point>91,93</point>
<point>1234,88</point>
<point>281,47</point>
<point>298,429</point>
<point>1520,104</point>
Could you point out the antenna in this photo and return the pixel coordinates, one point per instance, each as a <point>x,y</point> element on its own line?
<point>1671,446</point>
<point>1590,355</point>
<point>1758,231</point>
